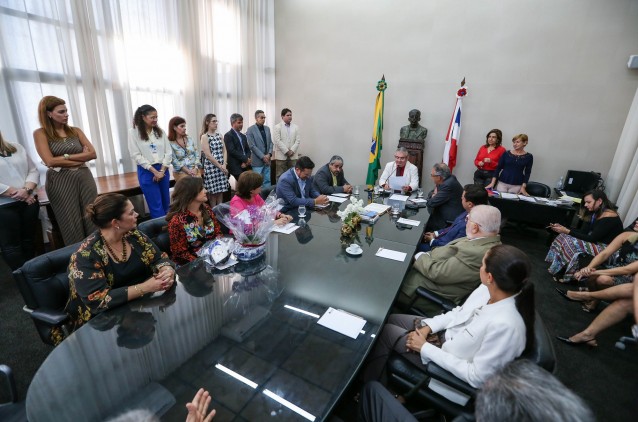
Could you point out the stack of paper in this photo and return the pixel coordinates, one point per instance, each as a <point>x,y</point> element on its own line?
<point>287,229</point>
<point>378,208</point>
<point>414,223</point>
<point>336,198</point>
<point>506,195</point>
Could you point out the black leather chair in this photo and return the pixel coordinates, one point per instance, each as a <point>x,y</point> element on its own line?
<point>44,284</point>
<point>538,189</point>
<point>157,230</point>
<point>266,191</point>
<point>410,379</point>
<point>13,410</point>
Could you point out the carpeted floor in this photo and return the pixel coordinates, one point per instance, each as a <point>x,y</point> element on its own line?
<point>604,376</point>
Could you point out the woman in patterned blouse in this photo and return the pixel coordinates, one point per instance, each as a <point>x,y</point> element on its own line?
<point>185,153</point>
<point>191,221</point>
<point>115,264</point>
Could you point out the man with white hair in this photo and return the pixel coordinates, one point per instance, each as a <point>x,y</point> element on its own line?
<point>452,271</point>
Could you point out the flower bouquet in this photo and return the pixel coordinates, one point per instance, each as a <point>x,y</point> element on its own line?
<point>351,218</point>
<point>250,226</point>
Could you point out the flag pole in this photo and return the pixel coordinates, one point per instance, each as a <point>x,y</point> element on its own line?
<point>454,129</point>
<point>374,157</point>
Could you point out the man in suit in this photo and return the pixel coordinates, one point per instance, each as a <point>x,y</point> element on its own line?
<point>237,147</point>
<point>444,201</point>
<point>286,142</point>
<point>452,271</point>
<point>330,178</point>
<point>295,186</point>
<point>260,143</point>
<point>473,195</point>
<point>400,167</point>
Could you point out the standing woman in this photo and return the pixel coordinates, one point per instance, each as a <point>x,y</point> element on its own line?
<point>488,157</point>
<point>69,184</point>
<point>19,207</point>
<point>185,153</point>
<point>514,168</point>
<point>214,159</point>
<point>150,148</point>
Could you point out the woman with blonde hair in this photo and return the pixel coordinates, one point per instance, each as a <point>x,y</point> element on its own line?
<point>214,158</point>
<point>19,207</point>
<point>70,185</point>
<point>185,155</point>
<point>514,168</point>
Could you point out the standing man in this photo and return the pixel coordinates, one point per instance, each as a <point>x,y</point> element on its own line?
<point>331,179</point>
<point>444,201</point>
<point>237,147</point>
<point>260,143</point>
<point>286,142</point>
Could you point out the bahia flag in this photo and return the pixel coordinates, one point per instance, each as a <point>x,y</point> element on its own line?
<point>454,131</point>
<point>377,136</point>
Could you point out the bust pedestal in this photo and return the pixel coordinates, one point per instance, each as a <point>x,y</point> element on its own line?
<point>415,154</point>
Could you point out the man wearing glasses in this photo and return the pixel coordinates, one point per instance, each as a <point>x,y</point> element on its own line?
<point>444,201</point>
<point>400,168</point>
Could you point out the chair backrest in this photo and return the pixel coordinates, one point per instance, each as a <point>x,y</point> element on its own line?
<point>538,189</point>
<point>266,191</point>
<point>157,230</point>
<point>542,353</point>
<point>44,283</point>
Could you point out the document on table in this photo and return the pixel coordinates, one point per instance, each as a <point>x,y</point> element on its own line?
<point>342,322</point>
<point>343,195</point>
<point>526,198</point>
<point>418,200</point>
<point>287,229</point>
<point>506,195</point>
<point>398,197</point>
<point>321,206</point>
<point>397,182</point>
<point>338,199</point>
<point>390,254</point>
<point>378,208</point>
<point>414,223</point>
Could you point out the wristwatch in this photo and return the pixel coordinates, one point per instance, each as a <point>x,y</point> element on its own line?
<point>29,190</point>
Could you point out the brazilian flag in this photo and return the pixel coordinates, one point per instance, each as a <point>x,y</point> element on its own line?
<point>377,136</point>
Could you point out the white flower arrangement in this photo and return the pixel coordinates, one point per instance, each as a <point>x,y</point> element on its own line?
<point>355,207</point>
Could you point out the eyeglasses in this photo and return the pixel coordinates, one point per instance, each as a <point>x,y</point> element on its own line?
<point>398,157</point>
<point>435,175</point>
<point>467,218</point>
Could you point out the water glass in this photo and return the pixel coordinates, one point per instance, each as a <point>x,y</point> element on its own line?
<point>419,193</point>
<point>395,209</point>
<point>376,190</point>
<point>355,190</point>
<point>302,210</point>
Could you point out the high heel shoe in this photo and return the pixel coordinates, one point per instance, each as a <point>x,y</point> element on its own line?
<point>563,293</point>
<point>589,343</point>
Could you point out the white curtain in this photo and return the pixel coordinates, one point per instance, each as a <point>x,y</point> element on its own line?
<point>107,57</point>
<point>623,175</point>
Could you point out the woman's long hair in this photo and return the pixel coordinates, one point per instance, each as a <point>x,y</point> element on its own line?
<point>511,269</point>
<point>47,104</point>
<point>138,122</point>
<point>172,133</point>
<point>206,122</point>
<point>185,192</point>
<point>499,137</point>
<point>604,206</point>
<point>6,147</point>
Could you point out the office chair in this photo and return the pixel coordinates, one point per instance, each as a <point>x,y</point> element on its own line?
<point>157,230</point>
<point>13,410</point>
<point>418,382</point>
<point>44,285</point>
<point>538,189</point>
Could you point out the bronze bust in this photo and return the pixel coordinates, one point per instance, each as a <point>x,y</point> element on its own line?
<point>414,130</point>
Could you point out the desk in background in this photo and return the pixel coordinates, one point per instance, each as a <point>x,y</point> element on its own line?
<point>534,213</point>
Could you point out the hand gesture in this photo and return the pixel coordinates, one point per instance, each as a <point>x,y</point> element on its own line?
<point>199,406</point>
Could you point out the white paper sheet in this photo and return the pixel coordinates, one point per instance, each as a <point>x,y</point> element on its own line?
<point>343,195</point>
<point>378,208</point>
<point>397,182</point>
<point>390,254</point>
<point>337,199</point>
<point>526,198</point>
<point>414,223</point>
<point>418,200</point>
<point>321,206</point>
<point>342,322</point>
<point>398,197</point>
<point>506,195</point>
<point>286,229</point>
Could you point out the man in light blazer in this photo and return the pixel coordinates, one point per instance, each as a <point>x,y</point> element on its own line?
<point>286,142</point>
<point>331,179</point>
<point>237,147</point>
<point>295,186</point>
<point>452,271</point>
<point>400,167</point>
<point>260,143</point>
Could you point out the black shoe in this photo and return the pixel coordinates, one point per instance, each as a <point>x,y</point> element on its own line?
<point>563,293</point>
<point>590,343</point>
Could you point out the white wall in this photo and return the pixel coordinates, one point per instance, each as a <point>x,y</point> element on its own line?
<point>554,69</point>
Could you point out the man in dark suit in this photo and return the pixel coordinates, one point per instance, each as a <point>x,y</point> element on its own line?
<point>260,143</point>
<point>295,186</point>
<point>237,147</point>
<point>330,178</point>
<point>444,201</point>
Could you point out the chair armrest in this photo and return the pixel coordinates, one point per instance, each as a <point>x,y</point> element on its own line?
<point>49,316</point>
<point>440,374</point>
<point>446,304</point>
<point>10,383</point>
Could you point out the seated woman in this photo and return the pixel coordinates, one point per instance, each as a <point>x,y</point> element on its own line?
<point>248,195</point>
<point>115,264</point>
<point>622,296</point>
<point>191,221</point>
<point>603,226</point>
<point>493,327</point>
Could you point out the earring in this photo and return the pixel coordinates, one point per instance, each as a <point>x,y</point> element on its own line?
<point>117,227</point>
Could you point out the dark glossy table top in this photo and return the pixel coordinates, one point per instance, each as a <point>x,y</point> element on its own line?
<point>157,352</point>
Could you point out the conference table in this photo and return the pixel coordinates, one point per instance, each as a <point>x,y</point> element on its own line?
<point>248,334</point>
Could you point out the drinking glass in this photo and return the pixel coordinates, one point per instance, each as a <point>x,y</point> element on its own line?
<point>355,190</point>
<point>376,190</point>
<point>302,210</point>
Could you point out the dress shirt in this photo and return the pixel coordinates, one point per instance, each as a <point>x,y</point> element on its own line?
<point>154,151</point>
<point>302,185</point>
<point>16,170</point>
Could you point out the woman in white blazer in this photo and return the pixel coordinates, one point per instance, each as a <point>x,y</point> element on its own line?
<point>493,327</point>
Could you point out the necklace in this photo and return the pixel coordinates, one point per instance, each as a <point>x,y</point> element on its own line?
<point>113,254</point>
